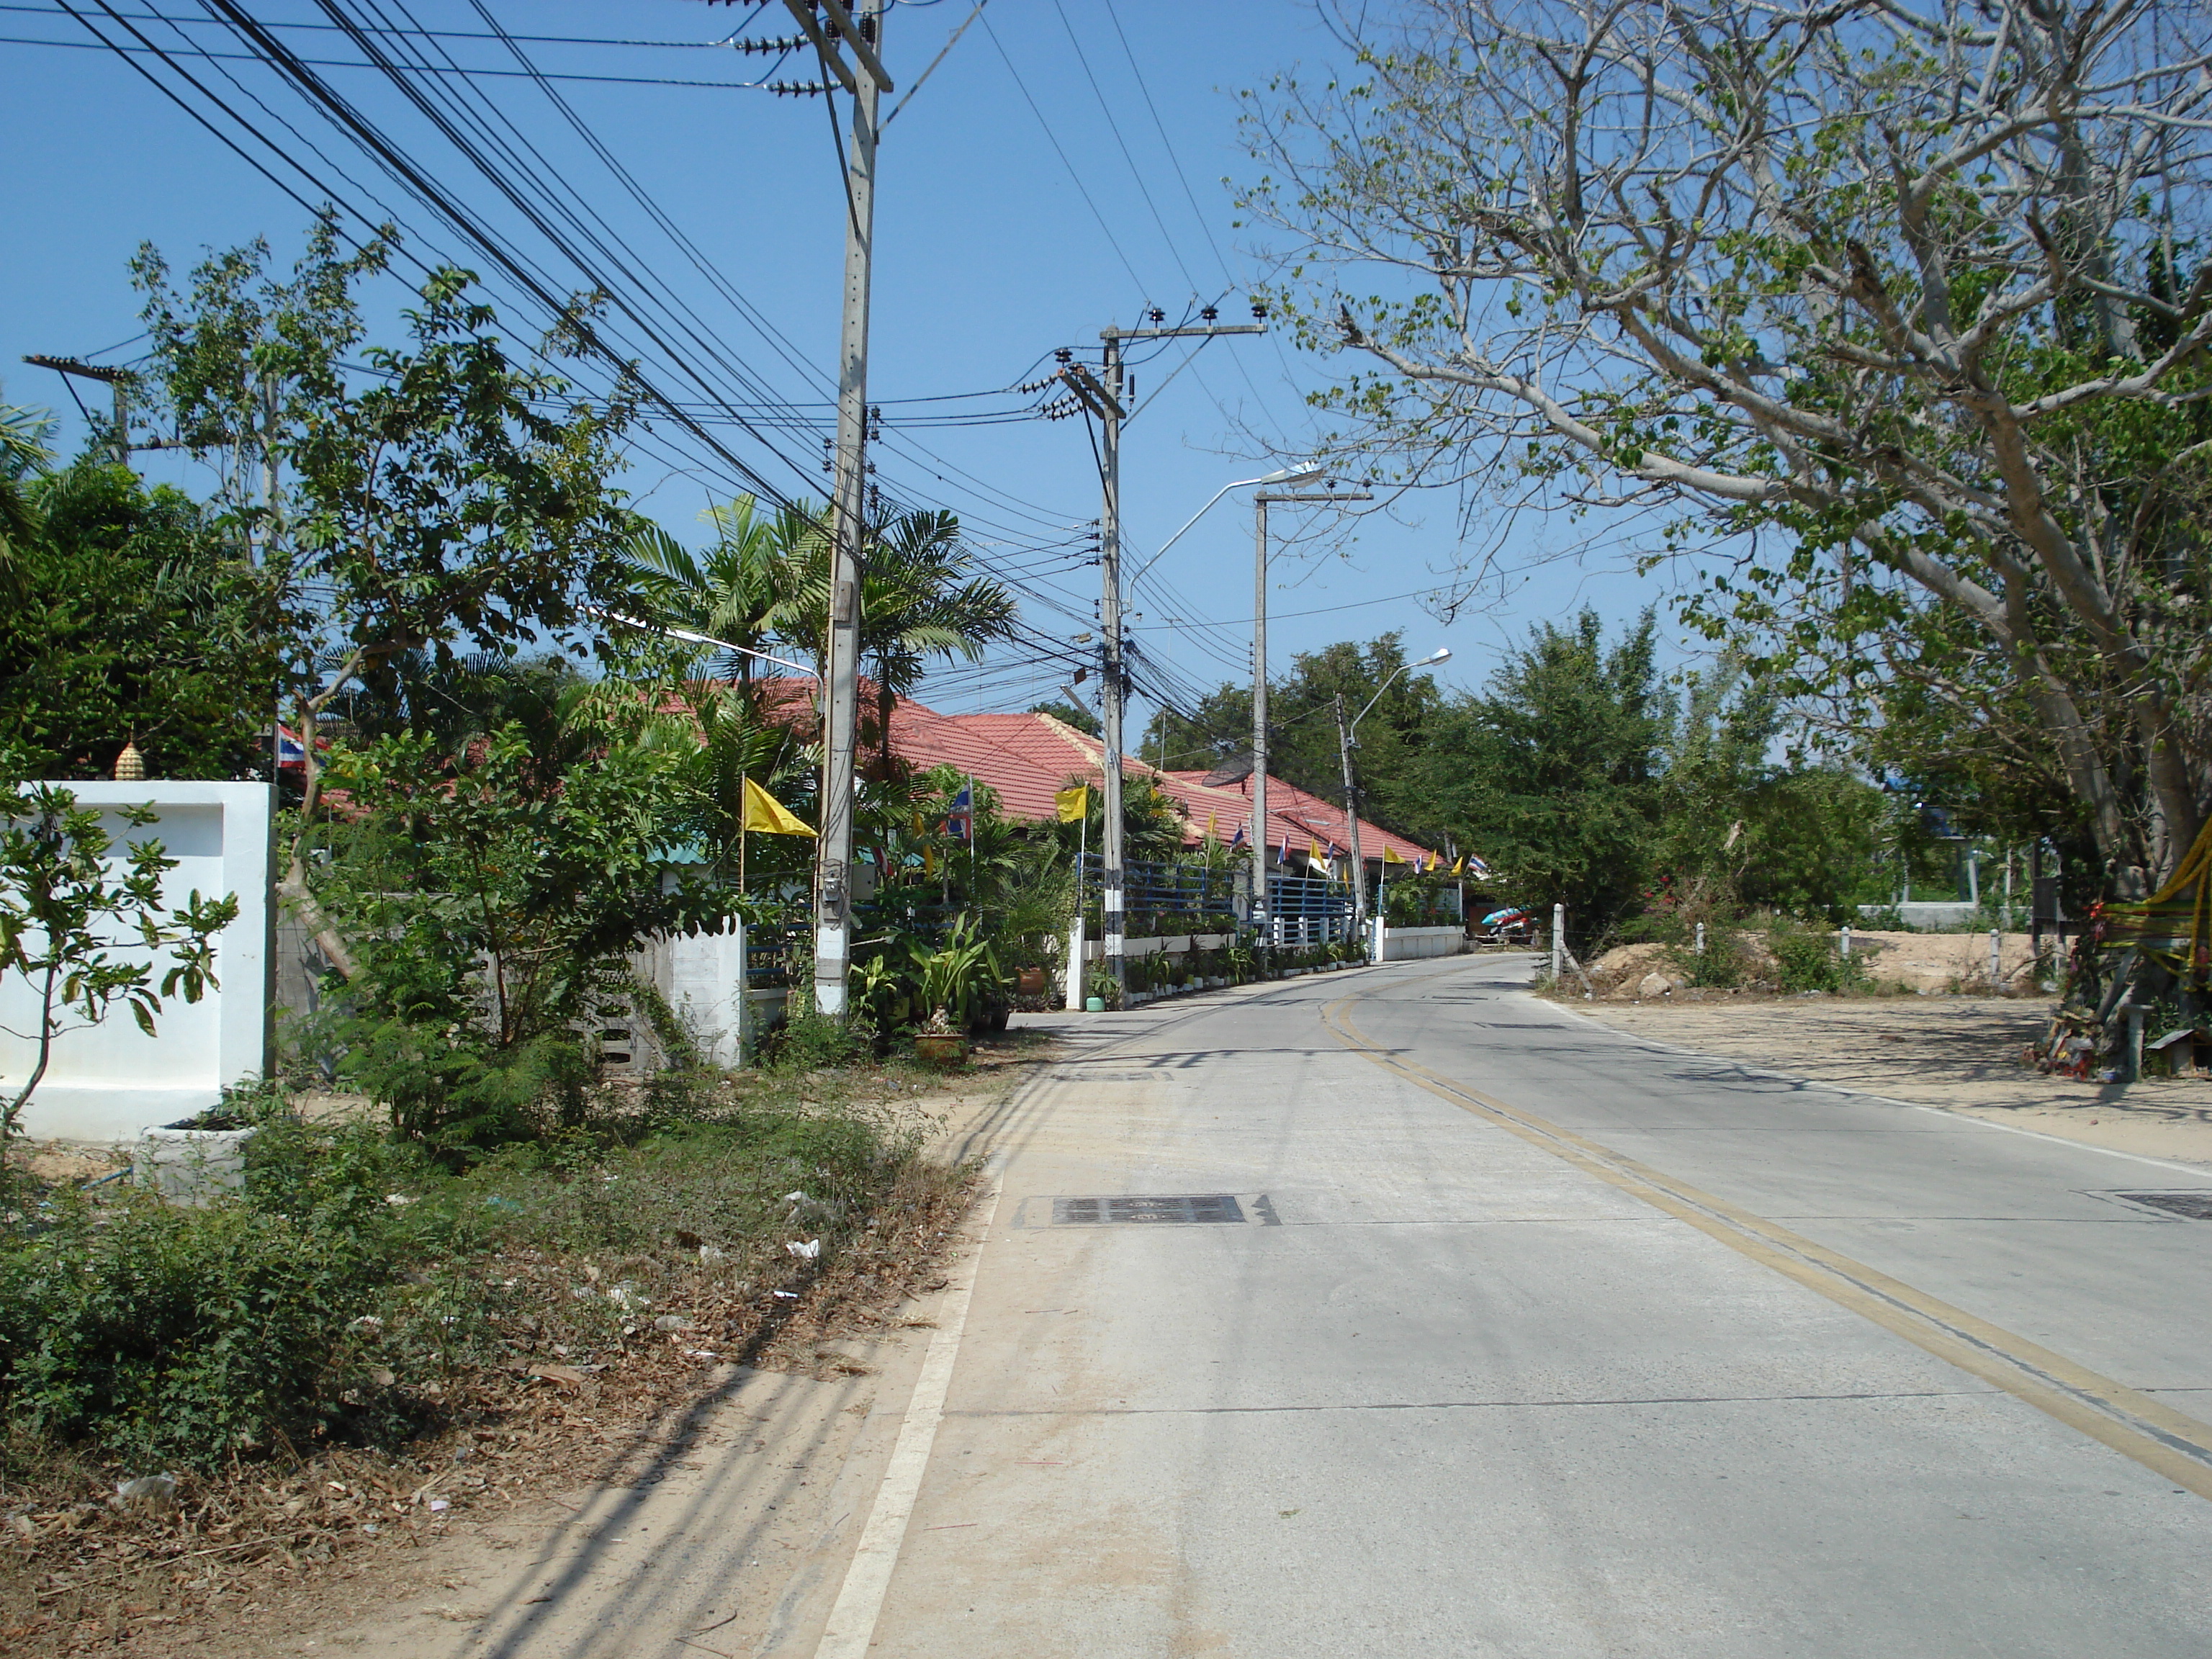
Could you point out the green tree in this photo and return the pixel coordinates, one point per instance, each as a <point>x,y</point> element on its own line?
<point>131,618</point>
<point>455,498</point>
<point>921,602</point>
<point>1556,771</point>
<point>1885,299</point>
<point>1302,731</point>
<point>1739,827</point>
<point>494,903</point>
<point>735,590</point>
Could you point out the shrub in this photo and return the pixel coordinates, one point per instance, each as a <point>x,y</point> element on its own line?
<point>809,1040</point>
<point>182,1336</point>
<point>1808,961</point>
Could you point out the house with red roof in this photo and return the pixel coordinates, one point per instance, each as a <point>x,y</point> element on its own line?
<point>1027,758</point>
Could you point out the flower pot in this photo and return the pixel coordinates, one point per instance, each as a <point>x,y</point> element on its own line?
<point>1094,1005</point>
<point>946,1048</point>
<point>1029,982</point>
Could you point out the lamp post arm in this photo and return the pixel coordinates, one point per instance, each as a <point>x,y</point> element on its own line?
<point>1238,484</point>
<point>1378,697</point>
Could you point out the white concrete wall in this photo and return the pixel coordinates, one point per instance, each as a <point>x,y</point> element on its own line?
<point>109,1082</point>
<point>706,988</point>
<point>1416,944</point>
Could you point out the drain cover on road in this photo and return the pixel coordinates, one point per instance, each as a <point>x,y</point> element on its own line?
<point>1176,1211</point>
<point>2196,1205</point>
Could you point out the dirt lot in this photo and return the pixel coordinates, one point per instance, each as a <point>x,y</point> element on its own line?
<point>1961,1053</point>
<point>400,1539</point>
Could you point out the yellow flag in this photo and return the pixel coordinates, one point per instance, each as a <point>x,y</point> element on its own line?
<point>1211,832</point>
<point>929,860</point>
<point>1390,855</point>
<point>767,816</point>
<point>1313,850</point>
<point>1459,868</point>
<point>1072,803</point>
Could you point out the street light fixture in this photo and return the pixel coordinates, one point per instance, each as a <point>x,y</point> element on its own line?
<point>1345,729</point>
<point>1261,917</point>
<point>1297,474</point>
<point>670,631</point>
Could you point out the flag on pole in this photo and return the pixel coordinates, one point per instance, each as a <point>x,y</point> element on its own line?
<point>1238,838</point>
<point>1212,828</point>
<point>764,814</point>
<point>1459,868</point>
<point>1284,857</point>
<point>960,822</point>
<point>1072,805</point>
<point>1390,855</point>
<point>1313,854</point>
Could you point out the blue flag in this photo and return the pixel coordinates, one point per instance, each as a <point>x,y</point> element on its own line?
<point>961,824</point>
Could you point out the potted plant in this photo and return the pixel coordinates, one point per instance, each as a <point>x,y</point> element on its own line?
<point>957,978</point>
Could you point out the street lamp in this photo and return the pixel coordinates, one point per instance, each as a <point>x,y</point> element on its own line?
<point>670,631</point>
<point>1261,919</point>
<point>1295,474</point>
<point>1344,733</point>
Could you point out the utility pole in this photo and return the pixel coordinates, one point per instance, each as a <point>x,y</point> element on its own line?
<point>118,380</point>
<point>840,666</point>
<point>1260,501</point>
<point>1106,395</point>
<point>1352,819</point>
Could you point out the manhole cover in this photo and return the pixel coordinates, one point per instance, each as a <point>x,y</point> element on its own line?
<point>2196,1205</point>
<point>1181,1211</point>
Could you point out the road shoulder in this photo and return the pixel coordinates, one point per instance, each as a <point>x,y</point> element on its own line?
<point>1957,1054</point>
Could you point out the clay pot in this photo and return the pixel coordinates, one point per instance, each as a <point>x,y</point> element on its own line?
<point>1029,982</point>
<point>945,1049</point>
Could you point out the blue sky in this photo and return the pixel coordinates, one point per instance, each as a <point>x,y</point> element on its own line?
<point>1061,169</point>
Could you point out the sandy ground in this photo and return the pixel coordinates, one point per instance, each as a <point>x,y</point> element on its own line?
<point>775,1458</point>
<point>1961,1053</point>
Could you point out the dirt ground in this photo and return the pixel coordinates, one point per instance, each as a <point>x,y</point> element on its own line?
<point>1961,1053</point>
<point>583,1464</point>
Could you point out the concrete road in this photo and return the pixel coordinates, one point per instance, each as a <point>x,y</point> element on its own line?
<point>1502,1334</point>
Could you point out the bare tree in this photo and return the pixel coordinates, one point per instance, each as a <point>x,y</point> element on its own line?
<point>1908,289</point>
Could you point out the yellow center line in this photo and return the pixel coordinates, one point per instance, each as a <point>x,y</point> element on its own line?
<point>2168,1442</point>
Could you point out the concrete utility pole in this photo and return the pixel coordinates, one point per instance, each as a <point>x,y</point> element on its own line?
<point>1344,731</point>
<point>1105,394</point>
<point>1261,918</point>
<point>842,650</point>
<point>117,380</point>
<point>1352,818</point>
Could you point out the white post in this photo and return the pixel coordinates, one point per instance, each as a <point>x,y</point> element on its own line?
<point>1701,939</point>
<point>1846,949</point>
<point>1559,941</point>
<point>1075,966</point>
<point>1997,960</point>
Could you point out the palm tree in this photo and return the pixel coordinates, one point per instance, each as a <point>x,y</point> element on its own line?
<point>734,590</point>
<point>918,603</point>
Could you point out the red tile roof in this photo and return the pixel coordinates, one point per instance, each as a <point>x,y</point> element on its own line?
<point>1027,758</point>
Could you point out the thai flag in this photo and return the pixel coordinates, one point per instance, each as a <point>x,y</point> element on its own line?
<point>1284,857</point>
<point>1237,839</point>
<point>961,824</point>
<point>290,752</point>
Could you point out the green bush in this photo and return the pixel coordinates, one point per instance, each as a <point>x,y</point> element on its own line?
<point>809,1040</point>
<point>1808,961</point>
<point>183,1336</point>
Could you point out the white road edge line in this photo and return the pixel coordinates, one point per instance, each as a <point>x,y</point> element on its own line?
<point>852,1628</point>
